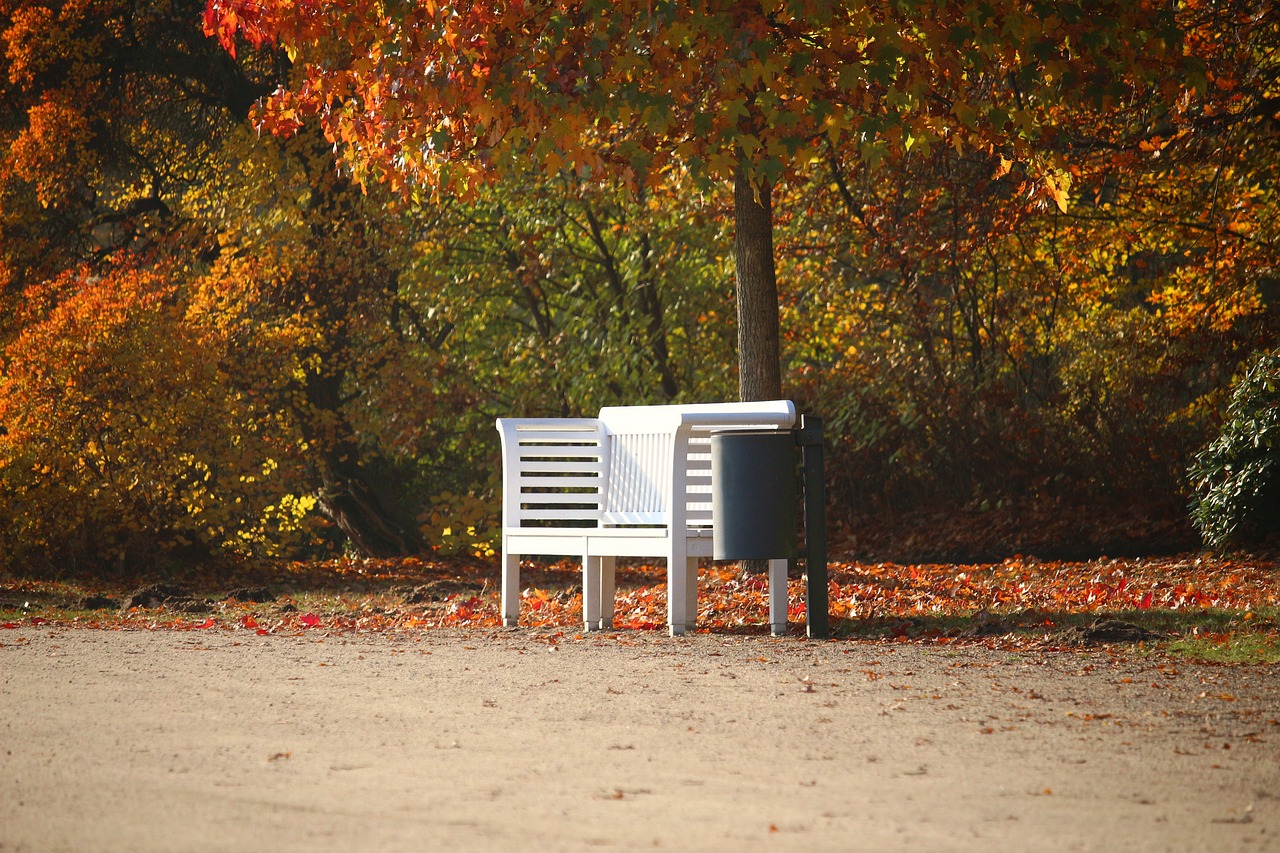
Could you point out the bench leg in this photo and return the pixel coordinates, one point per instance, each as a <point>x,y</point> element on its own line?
<point>598,589</point>
<point>591,572</point>
<point>778,597</point>
<point>691,592</point>
<point>675,598</point>
<point>682,594</point>
<point>510,589</point>
<point>608,591</point>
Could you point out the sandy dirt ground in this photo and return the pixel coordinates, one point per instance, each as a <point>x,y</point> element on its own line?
<point>524,740</point>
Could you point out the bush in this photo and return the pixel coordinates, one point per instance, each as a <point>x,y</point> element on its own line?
<point>1237,477</point>
<point>122,443</point>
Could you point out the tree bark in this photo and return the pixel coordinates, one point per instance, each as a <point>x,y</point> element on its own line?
<point>350,494</point>
<point>350,500</point>
<point>759,359</point>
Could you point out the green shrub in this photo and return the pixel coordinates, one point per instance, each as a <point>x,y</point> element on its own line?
<point>1237,477</point>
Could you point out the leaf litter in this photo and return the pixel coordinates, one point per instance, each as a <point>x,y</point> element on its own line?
<point>1018,602</point>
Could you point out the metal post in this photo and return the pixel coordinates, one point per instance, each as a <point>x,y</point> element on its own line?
<point>810,439</point>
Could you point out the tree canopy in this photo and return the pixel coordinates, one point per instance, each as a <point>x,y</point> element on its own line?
<point>440,98</point>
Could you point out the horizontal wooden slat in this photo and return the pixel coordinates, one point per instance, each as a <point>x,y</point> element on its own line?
<point>580,466</point>
<point>534,540</point>
<point>525,439</point>
<point>525,433</point>
<point>543,513</point>
<point>535,503</point>
<point>535,496</point>
<point>567,466</point>
<point>575,480</point>
<point>615,517</point>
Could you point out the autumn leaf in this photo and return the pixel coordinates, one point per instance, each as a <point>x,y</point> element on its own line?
<point>1057,186</point>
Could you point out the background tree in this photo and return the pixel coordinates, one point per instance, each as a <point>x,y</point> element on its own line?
<point>306,282</point>
<point>979,349</point>
<point>116,442</point>
<point>124,123</point>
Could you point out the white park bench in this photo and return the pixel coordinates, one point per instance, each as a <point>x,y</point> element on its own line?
<point>633,482</point>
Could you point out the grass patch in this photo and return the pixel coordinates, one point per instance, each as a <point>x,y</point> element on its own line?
<point>1248,638</point>
<point>1216,635</point>
<point>1233,649</point>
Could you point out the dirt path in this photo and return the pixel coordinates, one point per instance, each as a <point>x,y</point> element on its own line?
<point>520,740</point>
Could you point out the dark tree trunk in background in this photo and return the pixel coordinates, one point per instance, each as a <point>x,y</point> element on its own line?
<point>351,502</point>
<point>350,493</point>
<point>759,359</point>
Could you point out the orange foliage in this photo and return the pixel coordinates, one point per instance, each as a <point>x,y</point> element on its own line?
<point>439,96</point>
<point>122,440</point>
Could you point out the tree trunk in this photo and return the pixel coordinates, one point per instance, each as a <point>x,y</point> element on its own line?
<point>352,502</point>
<point>759,359</point>
<point>350,493</point>
<point>652,302</point>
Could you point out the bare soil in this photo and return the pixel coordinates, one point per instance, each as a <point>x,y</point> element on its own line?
<point>535,740</point>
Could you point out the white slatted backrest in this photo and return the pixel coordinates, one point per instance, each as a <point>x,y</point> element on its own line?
<point>698,481</point>
<point>654,445</point>
<point>639,478</point>
<point>553,471</point>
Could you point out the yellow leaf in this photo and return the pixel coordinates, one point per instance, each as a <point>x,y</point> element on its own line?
<point>1057,187</point>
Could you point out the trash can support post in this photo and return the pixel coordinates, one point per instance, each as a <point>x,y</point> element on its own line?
<point>810,439</point>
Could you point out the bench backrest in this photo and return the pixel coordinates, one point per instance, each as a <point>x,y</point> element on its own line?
<point>623,468</point>
<point>654,447</point>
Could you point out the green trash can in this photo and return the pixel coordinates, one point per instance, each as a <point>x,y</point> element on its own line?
<point>753,495</point>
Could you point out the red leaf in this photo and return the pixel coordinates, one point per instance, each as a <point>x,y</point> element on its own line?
<point>9,625</point>
<point>1145,603</point>
<point>247,621</point>
<point>310,620</point>
<point>208,623</point>
<point>39,620</point>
